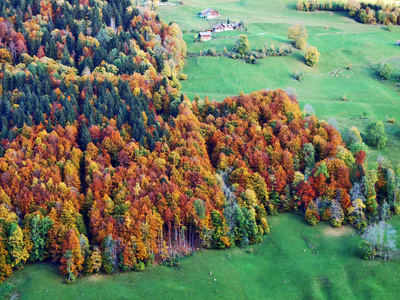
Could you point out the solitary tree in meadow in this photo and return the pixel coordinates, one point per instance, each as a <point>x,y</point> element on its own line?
<point>312,56</point>
<point>242,44</point>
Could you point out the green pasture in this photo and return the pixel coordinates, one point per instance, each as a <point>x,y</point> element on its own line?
<point>295,261</point>
<point>341,41</point>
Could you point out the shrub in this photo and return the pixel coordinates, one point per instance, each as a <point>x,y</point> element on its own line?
<point>366,250</point>
<point>298,75</point>
<point>386,71</point>
<point>312,56</point>
<point>139,267</point>
<point>376,135</point>
<point>182,76</point>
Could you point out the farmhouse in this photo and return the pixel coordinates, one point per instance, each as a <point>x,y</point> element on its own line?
<point>209,14</point>
<point>223,27</point>
<point>205,36</point>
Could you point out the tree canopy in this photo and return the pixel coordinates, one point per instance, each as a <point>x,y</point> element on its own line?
<point>242,44</point>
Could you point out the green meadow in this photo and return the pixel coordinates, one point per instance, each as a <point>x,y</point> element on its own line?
<point>295,261</point>
<point>341,41</point>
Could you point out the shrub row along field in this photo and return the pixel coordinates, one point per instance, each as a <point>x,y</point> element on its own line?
<point>341,41</point>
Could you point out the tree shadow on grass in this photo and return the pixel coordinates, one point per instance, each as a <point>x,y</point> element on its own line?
<point>282,40</point>
<point>299,56</point>
<point>291,6</point>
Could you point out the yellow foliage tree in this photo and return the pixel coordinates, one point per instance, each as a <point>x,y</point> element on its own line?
<point>5,56</point>
<point>18,252</point>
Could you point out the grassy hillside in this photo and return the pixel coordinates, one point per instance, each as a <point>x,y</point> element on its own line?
<point>284,266</point>
<point>341,41</point>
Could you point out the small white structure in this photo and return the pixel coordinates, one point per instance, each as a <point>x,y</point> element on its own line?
<point>209,14</point>
<point>205,36</point>
<point>398,43</point>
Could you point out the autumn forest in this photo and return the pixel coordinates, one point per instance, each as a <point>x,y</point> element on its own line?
<point>106,166</point>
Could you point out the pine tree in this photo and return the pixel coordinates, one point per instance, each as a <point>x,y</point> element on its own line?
<point>84,136</point>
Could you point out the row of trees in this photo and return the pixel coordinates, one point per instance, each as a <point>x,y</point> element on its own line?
<point>363,12</point>
<point>250,57</point>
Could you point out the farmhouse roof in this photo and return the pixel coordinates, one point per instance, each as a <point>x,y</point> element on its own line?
<point>207,11</point>
<point>219,25</point>
<point>205,33</point>
<point>224,25</point>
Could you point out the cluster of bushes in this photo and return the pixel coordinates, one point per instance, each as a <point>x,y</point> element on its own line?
<point>298,34</point>
<point>375,136</point>
<point>362,12</point>
<point>298,75</point>
<point>248,56</point>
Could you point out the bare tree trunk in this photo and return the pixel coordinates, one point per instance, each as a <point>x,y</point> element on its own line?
<point>176,234</point>
<point>169,236</point>
<point>193,235</point>
<point>184,238</point>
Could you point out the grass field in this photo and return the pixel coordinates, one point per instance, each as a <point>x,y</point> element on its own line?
<point>278,268</point>
<point>340,40</point>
